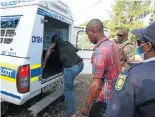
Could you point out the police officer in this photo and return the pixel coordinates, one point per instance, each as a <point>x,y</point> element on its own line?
<point>133,93</point>
<point>125,48</point>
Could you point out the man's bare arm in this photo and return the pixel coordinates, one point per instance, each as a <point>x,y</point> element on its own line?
<point>94,91</point>
<point>48,54</point>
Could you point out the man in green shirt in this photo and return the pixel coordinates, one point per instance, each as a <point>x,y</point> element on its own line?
<point>125,48</point>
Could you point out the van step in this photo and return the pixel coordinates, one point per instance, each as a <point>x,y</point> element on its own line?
<point>39,106</point>
<point>50,78</point>
<point>35,109</point>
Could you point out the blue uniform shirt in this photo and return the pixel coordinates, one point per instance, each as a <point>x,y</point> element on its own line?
<point>133,93</point>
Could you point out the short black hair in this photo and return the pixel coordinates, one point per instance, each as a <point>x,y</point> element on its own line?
<point>54,38</point>
<point>57,40</point>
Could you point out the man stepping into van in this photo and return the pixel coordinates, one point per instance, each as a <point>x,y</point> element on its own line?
<point>72,64</point>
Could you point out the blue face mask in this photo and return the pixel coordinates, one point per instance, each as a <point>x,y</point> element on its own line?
<point>138,51</point>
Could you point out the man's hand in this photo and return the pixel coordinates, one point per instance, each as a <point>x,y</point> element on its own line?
<point>94,91</point>
<point>43,66</point>
<point>48,54</point>
<point>85,111</point>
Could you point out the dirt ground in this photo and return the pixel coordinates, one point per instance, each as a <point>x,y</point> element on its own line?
<point>58,108</point>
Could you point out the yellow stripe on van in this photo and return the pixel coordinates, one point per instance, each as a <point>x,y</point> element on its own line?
<point>34,79</point>
<point>7,79</point>
<point>11,66</point>
<point>34,66</point>
<point>14,67</point>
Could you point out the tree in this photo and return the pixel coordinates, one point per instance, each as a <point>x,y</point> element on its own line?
<point>128,14</point>
<point>152,18</point>
<point>84,23</point>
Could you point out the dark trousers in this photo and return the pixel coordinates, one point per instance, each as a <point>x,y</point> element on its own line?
<point>97,109</point>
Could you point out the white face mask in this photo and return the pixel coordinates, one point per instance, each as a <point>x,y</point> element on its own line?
<point>142,56</point>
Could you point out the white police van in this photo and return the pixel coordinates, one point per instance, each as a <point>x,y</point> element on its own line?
<point>26,30</point>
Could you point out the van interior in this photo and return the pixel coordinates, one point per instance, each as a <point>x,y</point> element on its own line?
<point>51,27</point>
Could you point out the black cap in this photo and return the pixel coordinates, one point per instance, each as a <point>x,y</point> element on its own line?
<point>147,33</point>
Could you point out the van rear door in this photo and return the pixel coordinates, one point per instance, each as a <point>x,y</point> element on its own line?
<point>15,42</point>
<point>8,33</point>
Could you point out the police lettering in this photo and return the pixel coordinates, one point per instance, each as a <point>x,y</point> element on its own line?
<point>14,2</point>
<point>9,3</point>
<point>61,18</point>
<point>55,16</point>
<point>36,39</point>
<point>5,72</point>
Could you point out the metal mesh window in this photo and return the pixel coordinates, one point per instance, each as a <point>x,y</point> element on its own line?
<point>7,35</point>
<point>8,26</point>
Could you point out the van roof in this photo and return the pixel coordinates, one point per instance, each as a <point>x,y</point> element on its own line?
<point>54,5</point>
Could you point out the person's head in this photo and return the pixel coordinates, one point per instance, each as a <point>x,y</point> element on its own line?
<point>94,30</point>
<point>122,34</point>
<point>56,39</point>
<point>145,41</point>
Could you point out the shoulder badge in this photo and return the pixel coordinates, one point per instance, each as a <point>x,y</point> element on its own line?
<point>120,82</point>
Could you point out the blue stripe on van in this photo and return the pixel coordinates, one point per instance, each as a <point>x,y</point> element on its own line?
<point>41,10</point>
<point>52,15</point>
<point>8,72</point>
<point>40,13</point>
<point>35,72</point>
<point>49,14</point>
<point>11,95</point>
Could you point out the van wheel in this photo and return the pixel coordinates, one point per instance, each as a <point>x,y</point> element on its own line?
<point>4,108</point>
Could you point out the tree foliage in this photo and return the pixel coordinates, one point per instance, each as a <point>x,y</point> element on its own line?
<point>127,14</point>
<point>152,18</point>
<point>84,23</point>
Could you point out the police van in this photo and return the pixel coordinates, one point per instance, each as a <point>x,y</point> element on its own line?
<point>26,30</point>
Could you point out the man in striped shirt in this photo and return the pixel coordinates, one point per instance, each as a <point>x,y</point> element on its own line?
<point>106,67</point>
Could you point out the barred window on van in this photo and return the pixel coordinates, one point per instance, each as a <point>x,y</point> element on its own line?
<point>8,27</point>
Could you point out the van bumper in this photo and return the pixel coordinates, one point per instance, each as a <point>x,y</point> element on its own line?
<point>17,99</point>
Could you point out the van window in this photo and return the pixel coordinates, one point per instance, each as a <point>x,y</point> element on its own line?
<point>8,26</point>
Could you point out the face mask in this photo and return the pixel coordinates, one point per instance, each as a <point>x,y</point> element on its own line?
<point>138,51</point>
